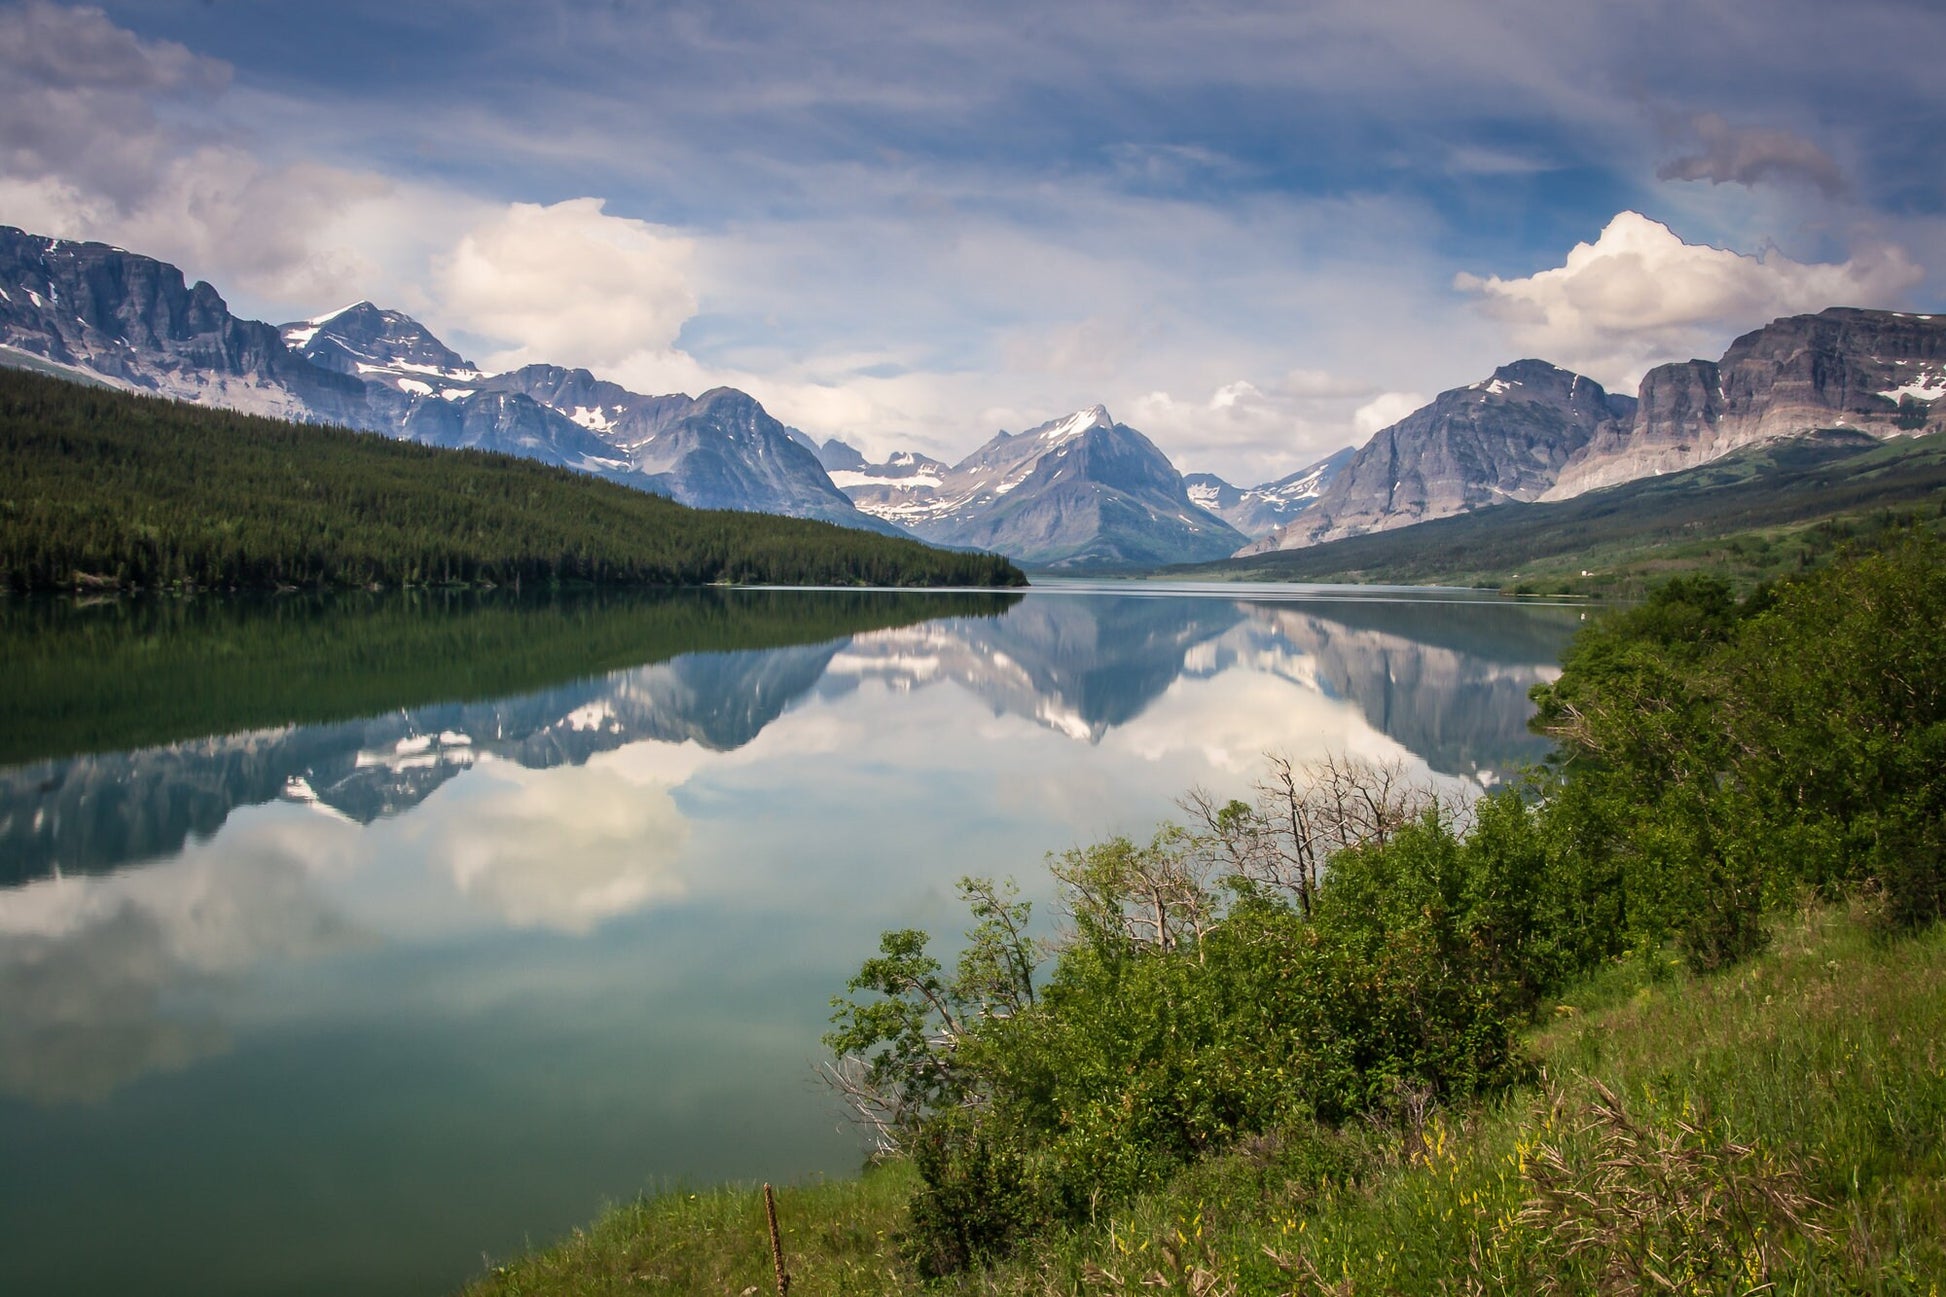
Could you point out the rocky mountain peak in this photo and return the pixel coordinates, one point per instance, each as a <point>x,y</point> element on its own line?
<point>364,340</point>
<point>1502,439</point>
<point>1073,425</point>
<point>1877,372</point>
<point>841,457</point>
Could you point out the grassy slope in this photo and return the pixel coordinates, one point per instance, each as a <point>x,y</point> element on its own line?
<point>1759,513</point>
<point>1825,1059</point>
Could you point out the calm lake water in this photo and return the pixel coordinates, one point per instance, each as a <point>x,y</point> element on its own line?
<point>347,943</point>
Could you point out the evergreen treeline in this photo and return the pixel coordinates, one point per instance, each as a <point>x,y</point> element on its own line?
<point>100,489</point>
<point>1345,950</point>
<point>136,672</point>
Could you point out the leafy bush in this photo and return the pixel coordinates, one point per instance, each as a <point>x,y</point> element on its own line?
<point>1345,948</point>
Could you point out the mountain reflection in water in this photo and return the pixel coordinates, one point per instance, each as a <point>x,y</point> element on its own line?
<point>481,914</point>
<point>1448,682</point>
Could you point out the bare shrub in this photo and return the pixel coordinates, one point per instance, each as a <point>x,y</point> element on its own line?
<point>1304,813</point>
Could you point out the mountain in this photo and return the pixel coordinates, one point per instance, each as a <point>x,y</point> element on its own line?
<point>1259,510</point>
<point>102,313</point>
<point>1079,492</point>
<point>1753,514</point>
<point>905,486</point>
<point>1878,372</point>
<point>1503,439</point>
<point>625,420</point>
<point>133,322</point>
<point>724,451</point>
<point>838,456</point>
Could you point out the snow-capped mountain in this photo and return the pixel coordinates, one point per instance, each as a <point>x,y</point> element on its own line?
<point>108,315</point>
<point>384,347</point>
<point>131,322</point>
<point>1259,510</point>
<point>1077,492</point>
<point>1536,432</point>
<point>625,420</point>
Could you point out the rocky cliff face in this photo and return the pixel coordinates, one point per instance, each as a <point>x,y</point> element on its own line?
<point>132,321</point>
<point>1503,439</point>
<point>1879,372</point>
<point>1076,492</point>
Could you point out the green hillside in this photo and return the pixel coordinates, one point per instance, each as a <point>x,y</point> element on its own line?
<point>1760,513</point>
<point>101,489</point>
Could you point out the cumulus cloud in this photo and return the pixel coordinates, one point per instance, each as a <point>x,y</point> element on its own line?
<point>1752,155</point>
<point>92,146</point>
<point>1638,296</point>
<point>1385,410</point>
<point>565,849</point>
<point>1271,429</point>
<point>572,285</point>
<point>78,97</point>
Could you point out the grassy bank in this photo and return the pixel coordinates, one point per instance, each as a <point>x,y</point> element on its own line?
<point>1783,1122</point>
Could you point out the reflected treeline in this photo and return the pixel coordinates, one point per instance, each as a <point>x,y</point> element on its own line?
<point>271,680</point>
<point>138,672</point>
<point>1447,681</point>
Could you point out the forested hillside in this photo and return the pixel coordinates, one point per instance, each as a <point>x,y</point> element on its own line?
<point>101,489</point>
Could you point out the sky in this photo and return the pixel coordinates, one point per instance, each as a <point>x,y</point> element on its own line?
<point>1255,231</point>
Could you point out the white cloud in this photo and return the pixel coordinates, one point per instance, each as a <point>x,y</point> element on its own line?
<point>572,285</point>
<point>78,100</point>
<point>93,145</point>
<point>566,848</point>
<point>1384,410</point>
<point>1639,296</point>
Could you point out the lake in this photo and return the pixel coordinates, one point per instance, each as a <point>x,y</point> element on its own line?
<point>347,943</point>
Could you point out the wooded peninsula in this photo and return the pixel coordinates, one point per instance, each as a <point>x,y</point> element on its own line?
<point>101,489</point>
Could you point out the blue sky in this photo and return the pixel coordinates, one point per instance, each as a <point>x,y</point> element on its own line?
<point>1255,231</point>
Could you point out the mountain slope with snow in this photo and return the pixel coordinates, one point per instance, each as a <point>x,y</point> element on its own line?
<point>1257,511</point>
<point>1877,372</point>
<point>1078,492</point>
<point>93,311</point>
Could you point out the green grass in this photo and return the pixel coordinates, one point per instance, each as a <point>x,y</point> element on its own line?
<point>1782,1122</point>
<point>836,1237</point>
